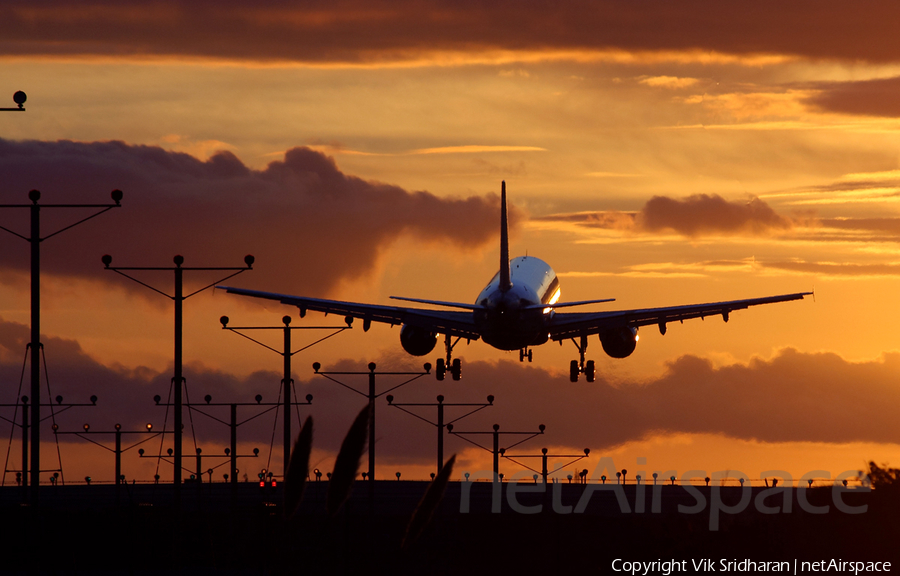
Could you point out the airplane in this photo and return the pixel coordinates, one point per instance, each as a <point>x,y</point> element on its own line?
<point>518,309</point>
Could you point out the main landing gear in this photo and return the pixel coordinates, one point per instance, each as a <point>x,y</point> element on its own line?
<point>525,353</point>
<point>577,367</point>
<point>454,366</point>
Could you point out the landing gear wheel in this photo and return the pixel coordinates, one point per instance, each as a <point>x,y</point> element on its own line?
<point>573,370</point>
<point>440,369</point>
<point>589,371</point>
<point>456,369</point>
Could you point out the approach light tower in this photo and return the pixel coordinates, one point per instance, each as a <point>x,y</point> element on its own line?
<point>178,381</point>
<point>287,382</point>
<point>35,240</point>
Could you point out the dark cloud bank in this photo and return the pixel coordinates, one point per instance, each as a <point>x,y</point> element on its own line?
<point>364,31</point>
<point>879,97</point>
<point>705,215</point>
<point>308,224</point>
<point>815,397</point>
<point>692,216</point>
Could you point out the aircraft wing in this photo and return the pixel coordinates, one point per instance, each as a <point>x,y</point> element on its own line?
<point>454,323</point>
<point>566,325</point>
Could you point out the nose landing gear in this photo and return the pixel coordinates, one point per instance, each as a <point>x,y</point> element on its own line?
<point>525,353</point>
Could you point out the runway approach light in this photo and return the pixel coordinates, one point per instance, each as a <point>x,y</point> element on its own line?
<point>19,98</point>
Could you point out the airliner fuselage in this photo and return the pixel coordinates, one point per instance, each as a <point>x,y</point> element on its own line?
<point>517,318</point>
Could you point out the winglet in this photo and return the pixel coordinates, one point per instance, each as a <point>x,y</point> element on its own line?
<point>505,281</point>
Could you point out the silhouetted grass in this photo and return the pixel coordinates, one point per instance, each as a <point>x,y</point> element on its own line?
<point>429,503</point>
<point>346,465</point>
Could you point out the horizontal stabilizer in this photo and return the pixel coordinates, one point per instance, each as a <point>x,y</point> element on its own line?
<point>568,304</point>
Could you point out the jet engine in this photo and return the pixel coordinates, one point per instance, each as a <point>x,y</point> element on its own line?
<point>417,341</point>
<point>541,338</point>
<point>619,342</point>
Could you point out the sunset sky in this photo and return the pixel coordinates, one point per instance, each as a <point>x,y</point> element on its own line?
<point>658,153</point>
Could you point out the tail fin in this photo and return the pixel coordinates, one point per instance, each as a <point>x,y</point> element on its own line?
<point>505,282</point>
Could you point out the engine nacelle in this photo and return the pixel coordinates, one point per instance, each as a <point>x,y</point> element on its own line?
<point>417,341</point>
<point>620,342</point>
<point>542,338</point>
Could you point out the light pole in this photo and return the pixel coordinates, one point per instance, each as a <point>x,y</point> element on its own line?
<point>234,423</point>
<point>24,425</point>
<point>440,418</point>
<point>287,382</point>
<point>372,395</point>
<point>544,456</point>
<point>86,434</point>
<point>179,299</point>
<point>35,240</point>
<point>497,451</point>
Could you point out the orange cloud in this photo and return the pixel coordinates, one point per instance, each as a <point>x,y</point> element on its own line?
<point>605,220</point>
<point>308,224</point>
<point>837,269</point>
<point>357,31</point>
<point>670,82</point>
<point>472,148</point>
<point>758,106</point>
<point>889,226</point>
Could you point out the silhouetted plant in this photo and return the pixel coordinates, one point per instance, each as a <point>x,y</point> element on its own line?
<point>429,504</point>
<point>298,469</point>
<point>346,465</point>
<point>340,485</point>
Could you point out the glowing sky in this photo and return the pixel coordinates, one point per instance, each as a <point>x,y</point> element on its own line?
<point>654,152</point>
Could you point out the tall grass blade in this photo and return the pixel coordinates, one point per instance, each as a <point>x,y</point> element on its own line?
<point>298,469</point>
<point>346,466</point>
<point>429,503</point>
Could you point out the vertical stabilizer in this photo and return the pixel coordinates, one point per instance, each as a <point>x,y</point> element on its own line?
<point>505,282</point>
